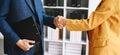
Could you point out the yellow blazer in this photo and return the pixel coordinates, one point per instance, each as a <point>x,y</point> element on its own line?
<point>103,26</point>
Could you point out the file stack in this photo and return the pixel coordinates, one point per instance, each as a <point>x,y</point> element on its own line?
<point>55,48</point>
<point>75,36</point>
<point>53,34</point>
<point>73,49</point>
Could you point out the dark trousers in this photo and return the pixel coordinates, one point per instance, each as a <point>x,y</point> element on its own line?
<point>38,49</point>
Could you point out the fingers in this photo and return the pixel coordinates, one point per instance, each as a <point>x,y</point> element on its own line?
<point>27,44</point>
<point>24,44</point>
<point>60,26</point>
<point>55,21</point>
<point>31,42</point>
<point>59,22</point>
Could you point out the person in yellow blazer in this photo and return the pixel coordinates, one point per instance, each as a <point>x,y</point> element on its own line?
<point>103,26</point>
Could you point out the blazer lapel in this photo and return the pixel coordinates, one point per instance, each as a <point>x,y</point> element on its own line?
<point>29,3</point>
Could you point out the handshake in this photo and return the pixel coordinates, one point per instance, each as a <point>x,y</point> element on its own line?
<point>59,22</point>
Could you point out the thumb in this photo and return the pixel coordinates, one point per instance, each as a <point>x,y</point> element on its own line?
<point>30,46</point>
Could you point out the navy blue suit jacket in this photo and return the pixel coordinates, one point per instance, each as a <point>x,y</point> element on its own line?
<point>14,11</point>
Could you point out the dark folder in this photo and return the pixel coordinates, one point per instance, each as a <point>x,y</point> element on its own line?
<point>27,29</point>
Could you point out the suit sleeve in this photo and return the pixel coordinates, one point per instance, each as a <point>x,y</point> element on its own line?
<point>100,15</point>
<point>47,20</point>
<point>5,28</point>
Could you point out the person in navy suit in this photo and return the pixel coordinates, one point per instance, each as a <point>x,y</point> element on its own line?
<point>15,11</point>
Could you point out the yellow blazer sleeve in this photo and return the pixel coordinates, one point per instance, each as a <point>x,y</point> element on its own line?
<point>101,14</point>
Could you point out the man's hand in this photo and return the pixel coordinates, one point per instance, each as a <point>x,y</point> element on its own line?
<point>25,44</point>
<point>59,22</point>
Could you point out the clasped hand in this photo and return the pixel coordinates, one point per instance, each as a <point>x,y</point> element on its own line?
<point>59,22</point>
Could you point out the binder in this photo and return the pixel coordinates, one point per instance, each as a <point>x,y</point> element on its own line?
<point>27,29</point>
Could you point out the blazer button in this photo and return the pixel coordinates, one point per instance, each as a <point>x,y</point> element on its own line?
<point>37,33</point>
<point>33,25</point>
